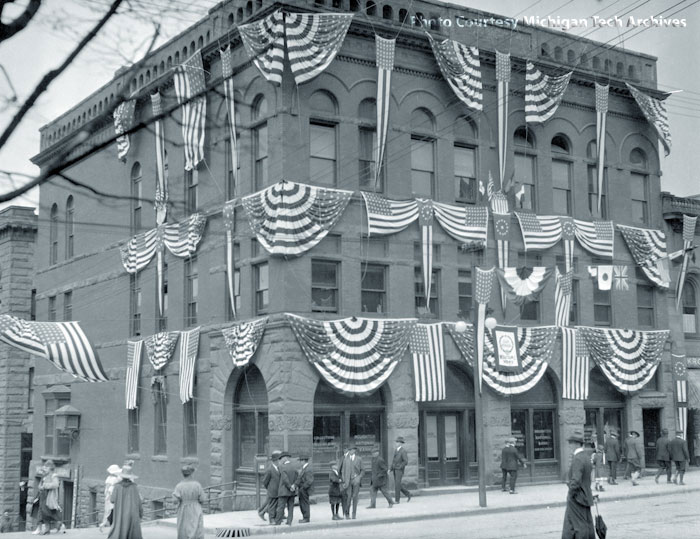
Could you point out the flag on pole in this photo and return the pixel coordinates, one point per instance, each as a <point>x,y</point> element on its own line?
<point>189,89</point>
<point>482,295</point>
<point>189,348</point>
<point>503,80</point>
<point>680,379</point>
<point>229,225</point>
<point>385,65</point>
<point>562,297</point>
<point>688,242</point>
<point>425,218</point>
<point>227,74</point>
<point>543,93</point>
<point>575,365</point>
<point>601,109</point>
<point>133,365</point>
<point>426,344</point>
<point>161,199</point>
<point>123,121</point>
<point>654,111</point>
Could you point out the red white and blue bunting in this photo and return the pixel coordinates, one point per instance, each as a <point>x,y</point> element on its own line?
<point>543,93</point>
<point>242,340</point>
<point>648,248</point>
<point>264,42</point>
<point>523,284</point>
<point>461,68</point>
<point>160,348</point>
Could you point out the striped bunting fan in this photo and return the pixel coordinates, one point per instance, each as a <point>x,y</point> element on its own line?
<point>290,218</point>
<point>596,237</point>
<point>543,93</point>
<point>161,199</point>
<point>264,42</point>
<point>242,340</point>
<point>123,121</point>
<point>388,216</point>
<point>139,251</point>
<point>160,347</point>
<point>182,238</point>
<point>575,365</point>
<point>539,231</point>
<point>62,343</point>
<point>133,366</point>
<point>627,357</point>
<point>523,284</point>
<point>461,68</point>
<point>428,362</point>
<point>648,248</point>
<point>354,355</point>
<point>189,348</point>
<point>654,111</point>
<point>189,89</point>
<point>313,40</point>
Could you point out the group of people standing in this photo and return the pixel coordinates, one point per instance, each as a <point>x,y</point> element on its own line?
<point>283,480</point>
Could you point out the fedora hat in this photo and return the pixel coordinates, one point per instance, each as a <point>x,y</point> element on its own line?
<point>275,455</point>
<point>635,433</point>
<point>114,469</point>
<point>576,436</point>
<point>285,454</point>
<point>400,440</point>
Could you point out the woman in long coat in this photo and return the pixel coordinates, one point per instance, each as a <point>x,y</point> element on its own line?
<point>49,510</point>
<point>127,511</point>
<point>190,497</point>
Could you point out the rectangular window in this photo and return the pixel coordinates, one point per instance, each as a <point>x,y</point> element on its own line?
<point>645,306</point>
<point>639,194</point>
<point>530,310</point>
<point>260,153</point>
<point>68,306</point>
<point>543,431</point>
<point>70,233</point>
<point>136,204</point>
<point>32,305</point>
<point>602,307</point>
<point>52,308</point>
<point>519,430</point>
<point>135,304</point>
<point>593,193</point>
<point>160,445</point>
<point>368,139</point>
<point>374,288</point>
<point>525,191</point>
<point>133,431</point>
<point>322,169</point>
<point>189,427</point>
<point>422,166</point>
<point>191,191</point>
<point>465,294</point>
<point>465,174</point>
<point>163,319</point>
<point>191,291</point>
<point>262,287</point>
<point>54,443</point>
<point>432,309</point>
<point>236,294</point>
<point>30,389</point>
<point>324,286</point>
<point>561,186</point>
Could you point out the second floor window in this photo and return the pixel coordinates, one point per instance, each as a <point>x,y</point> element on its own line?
<point>68,306</point>
<point>262,287</point>
<point>592,155</point>
<point>162,319</point>
<point>260,153</point>
<point>53,235</point>
<point>639,186</point>
<point>373,295</point>
<point>324,285</point>
<point>191,291</point>
<point>70,234</point>
<point>136,197</point>
<point>52,308</point>
<point>561,186</point>
<point>645,305</point>
<point>367,113</point>
<point>432,308</point>
<point>322,158</point>
<point>422,166</point>
<point>55,444</point>
<point>602,307</point>
<point>530,310</point>
<point>135,304</point>
<point>191,191</point>
<point>465,174</point>
<point>464,294</point>
<point>525,169</point>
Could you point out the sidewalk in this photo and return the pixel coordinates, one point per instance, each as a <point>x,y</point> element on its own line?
<point>450,502</point>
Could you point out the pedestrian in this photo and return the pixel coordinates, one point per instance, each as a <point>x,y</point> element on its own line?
<point>287,489</point>
<point>304,486</point>
<point>510,458</point>
<point>189,495</point>
<point>271,482</point>
<point>598,466</point>
<point>696,449</point>
<point>335,497</point>
<point>352,481</point>
<point>345,501</point>
<point>49,508</point>
<point>127,512</point>
<point>663,457</point>
<point>6,522</point>
<point>612,456</point>
<point>111,480</point>
<point>398,465</point>
<point>379,480</point>
<point>578,521</point>
<point>634,456</point>
<point>678,449</point>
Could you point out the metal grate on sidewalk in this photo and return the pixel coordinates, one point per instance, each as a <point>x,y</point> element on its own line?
<point>232,532</point>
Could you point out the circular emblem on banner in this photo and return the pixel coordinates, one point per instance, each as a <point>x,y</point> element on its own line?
<point>679,369</point>
<point>502,227</point>
<point>506,343</point>
<point>569,228</point>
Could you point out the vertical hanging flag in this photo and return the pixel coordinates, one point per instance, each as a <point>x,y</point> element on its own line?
<point>264,42</point>
<point>601,110</point>
<point>654,111</point>
<point>603,275</point>
<point>543,93</point>
<point>501,226</point>
<point>575,365</point>
<point>562,297</point>
<point>227,74</point>
<point>680,379</point>
<point>503,79</point>
<point>568,233</point>
<point>620,278</point>
<point>385,65</point>
<point>189,348</point>
<point>123,121</point>
<point>189,84</point>
<point>133,365</point>
<point>482,295</point>
<point>428,362</point>
<point>229,225</point>
<point>161,200</point>
<point>425,219</point>
<point>688,242</point>
<point>648,248</point>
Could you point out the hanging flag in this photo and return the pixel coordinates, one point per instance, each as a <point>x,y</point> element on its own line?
<point>575,366</point>
<point>620,278</point>
<point>133,366</point>
<point>596,237</point>
<point>501,227</point>
<point>355,356</point>
<point>467,224</point>
<point>428,362</point>
<point>227,74</point>
<point>688,243</point>
<point>189,89</point>
<point>62,343</point>
<point>648,248</point>
<point>388,216</point>
<point>290,218</point>
<point>506,351</point>
<point>654,111</point>
<point>539,232</point>
<point>425,219</point>
<point>562,296</point>
<point>123,121</point>
<point>464,340</point>
<point>182,238</point>
<point>680,379</point>
<point>189,348</point>
<point>242,340</point>
<point>461,68</point>
<point>503,80</point>
<point>543,93</point>
<point>229,225</point>
<point>160,347</point>
<point>264,42</point>
<point>385,65</point>
<point>568,233</point>
<point>313,40</point>
<point>161,199</point>
<point>627,357</point>
<point>523,284</point>
<point>601,109</point>
<point>482,295</point>
<point>603,275</point>
<point>139,251</point>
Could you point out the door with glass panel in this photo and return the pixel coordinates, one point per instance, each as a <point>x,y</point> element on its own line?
<point>443,437</point>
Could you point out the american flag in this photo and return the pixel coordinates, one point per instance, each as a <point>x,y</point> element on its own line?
<point>63,343</point>
<point>654,111</point>
<point>189,89</point>
<point>461,68</point>
<point>575,365</point>
<point>133,365</point>
<point>182,238</point>
<point>482,295</point>
<point>227,73</point>
<point>503,80</point>
<point>161,200</point>
<point>539,232</point>
<point>562,297</point>
<point>264,43</point>
<point>242,340</point>
<point>501,227</point>
<point>543,93</point>
<point>139,251</point>
<point>388,216</point>
<point>680,377</point>
<point>425,219</point>
<point>648,248</point>
<point>426,344</point>
<point>229,216</point>
<point>385,65</point>
<point>189,348</point>
<point>689,223</point>
<point>601,109</point>
<point>596,237</point>
<point>123,121</point>
<point>468,224</point>
<point>160,347</point>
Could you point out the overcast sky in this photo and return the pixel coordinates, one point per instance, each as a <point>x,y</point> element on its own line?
<point>27,56</point>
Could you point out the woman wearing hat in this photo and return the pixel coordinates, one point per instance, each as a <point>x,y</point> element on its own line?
<point>578,520</point>
<point>127,512</point>
<point>189,495</point>
<point>49,509</point>
<point>112,479</point>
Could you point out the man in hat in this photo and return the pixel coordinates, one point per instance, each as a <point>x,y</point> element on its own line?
<point>343,492</point>
<point>271,482</point>
<point>612,455</point>
<point>678,449</point>
<point>634,456</point>
<point>287,489</point>
<point>663,457</point>
<point>398,465</point>
<point>578,521</point>
<point>304,485</point>
<point>352,480</point>
<point>379,480</point>
<point>510,458</point>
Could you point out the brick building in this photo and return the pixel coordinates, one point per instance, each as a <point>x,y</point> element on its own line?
<point>436,148</point>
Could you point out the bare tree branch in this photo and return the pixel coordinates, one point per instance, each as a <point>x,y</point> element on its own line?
<point>20,23</point>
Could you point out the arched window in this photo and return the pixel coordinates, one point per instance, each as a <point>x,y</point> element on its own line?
<point>584,60</point>
<point>70,211</point>
<point>249,9</point>
<point>639,186</point>
<point>371,8</point>
<point>690,308</point>
<point>608,66</point>
<point>387,12</point>
<point>465,154</point>
<point>323,143</point>
<point>526,167</point>
<point>403,15</point>
<point>177,58</point>
<point>53,235</point>
<point>250,419</point>
<point>561,175</point>
<point>184,53</point>
<point>258,4</point>
<point>558,54</point>
<point>422,153</point>
<point>200,42</point>
<point>570,56</point>
<point>592,166</point>
<point>620,69</point>
<point>230,17</point>
<point>631,73</point>
<point>239,14</point>
<point>136,197</point>
<point>596,63</point>
<point>544,50</point>
<point>367,114</point>
<point>260,152</point>
<point>355,5</point>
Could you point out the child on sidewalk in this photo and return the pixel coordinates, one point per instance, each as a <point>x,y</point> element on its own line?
<point>598,462</point>
<point>334,494</point>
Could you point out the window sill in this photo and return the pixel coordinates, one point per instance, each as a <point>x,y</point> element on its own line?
<point>159,458</point>
<point>189,460</point>
<point>133,456</point>
<point>57,459</point>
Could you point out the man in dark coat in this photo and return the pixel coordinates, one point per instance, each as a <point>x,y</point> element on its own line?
<point>304,485</point>
<point>344,499</point>
<point>398,465</point>
<point>634,452</point>
<point>612,455</point>
<point>379,479</point>
<point>271,482</point>
<point>287,489</point>
<point>578,521</point>
<point>663,457</point>
<point>510,458</point>
<point>678,450</point>
<point>352,480</point>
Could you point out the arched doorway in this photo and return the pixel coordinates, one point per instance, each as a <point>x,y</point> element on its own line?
<point>250,427</point>
<point>605,409</point>
<point>446,441</point>
<point>533,422</point>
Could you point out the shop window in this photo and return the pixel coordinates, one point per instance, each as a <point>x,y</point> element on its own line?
<point>604,409</point>
<point>373,293</point>
<point>251,419</point>
<point>324,286</point>
<point>533,422</point>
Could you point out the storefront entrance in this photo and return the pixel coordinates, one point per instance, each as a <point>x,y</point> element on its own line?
<point>443,432</point>
<point>651,421</point>
<point>604,409</point>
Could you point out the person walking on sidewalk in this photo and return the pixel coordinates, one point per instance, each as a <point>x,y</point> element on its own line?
<point>271,482</point>
<point>379,479</point>
<point>578,520</point>
<point>663,457</point>
<point>510,458</point>
<point>398,465</point>
<point>352,480</point>
<point>128,511</point>
<point>634,456</point>
<point>111,480</point>
<point>287,489</point>
<point>612,456</point>
<point>304,485</point>
<point>49,508</point>
<point>678,449</point>
<point>335,497</point>
<point>189,495</point>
